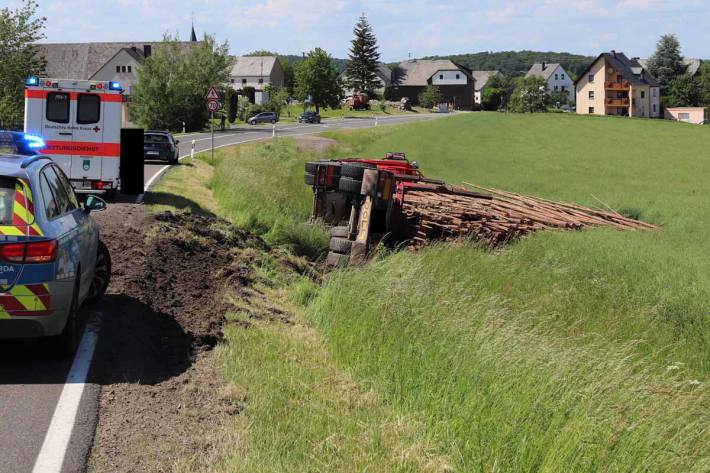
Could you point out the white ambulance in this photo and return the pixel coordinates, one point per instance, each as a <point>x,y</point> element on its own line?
<point>80,122</point>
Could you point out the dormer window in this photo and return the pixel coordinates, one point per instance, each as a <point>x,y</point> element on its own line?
<point>458,76</point>
<point>441,76</point>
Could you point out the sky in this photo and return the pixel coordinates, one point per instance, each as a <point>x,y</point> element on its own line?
<point>417,27</point>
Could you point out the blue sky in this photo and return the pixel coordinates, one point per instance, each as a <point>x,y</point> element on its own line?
<point>419,27</point>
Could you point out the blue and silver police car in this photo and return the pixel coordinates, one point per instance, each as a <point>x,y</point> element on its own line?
<point>51,258</point>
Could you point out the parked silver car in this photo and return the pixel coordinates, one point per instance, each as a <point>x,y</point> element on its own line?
<point>51,258</point>
<point>264,117</point>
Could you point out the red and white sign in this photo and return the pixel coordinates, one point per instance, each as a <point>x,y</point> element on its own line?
<point>213,101</point>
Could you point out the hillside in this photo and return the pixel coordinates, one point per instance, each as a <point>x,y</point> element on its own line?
<point>517,63</point>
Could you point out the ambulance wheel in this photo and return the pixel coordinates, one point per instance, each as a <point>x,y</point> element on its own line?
<point>65,344</point>
<point>102,275</point>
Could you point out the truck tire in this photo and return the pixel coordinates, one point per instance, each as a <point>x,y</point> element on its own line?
<point>340,232</point>
<point>309,179</point>
<point>102,275</point>
<point>337,260</point>
<point>340,245</point>
<point>311,167</point>
<point>354,170</point>
<point>349,185</point>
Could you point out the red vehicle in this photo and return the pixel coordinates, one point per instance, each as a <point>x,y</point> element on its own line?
<point>359,101</point>
<point>362,199</point>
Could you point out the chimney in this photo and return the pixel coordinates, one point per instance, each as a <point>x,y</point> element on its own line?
<point>613,53</point>
<point>544,65</point>
<point>134,49</point>
<point>147,50</point>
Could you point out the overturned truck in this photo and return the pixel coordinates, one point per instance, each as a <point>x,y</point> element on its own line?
<point>372,201</point>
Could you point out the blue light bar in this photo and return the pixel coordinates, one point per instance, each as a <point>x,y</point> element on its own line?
<point>32,81</point>
<point>114,86</point>
<point>34,141</point>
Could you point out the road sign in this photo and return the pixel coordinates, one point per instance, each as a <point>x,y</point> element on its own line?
<point>214,106</point>
<point>212,94</point>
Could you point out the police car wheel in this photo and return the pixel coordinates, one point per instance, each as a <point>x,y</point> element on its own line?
<point>102,275</point>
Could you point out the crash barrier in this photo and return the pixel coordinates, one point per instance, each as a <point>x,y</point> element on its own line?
<point>132,177</point>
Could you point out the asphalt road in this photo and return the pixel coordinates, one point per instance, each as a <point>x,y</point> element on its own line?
<point>31,382</point>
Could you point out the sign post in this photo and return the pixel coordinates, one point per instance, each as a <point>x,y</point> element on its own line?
<point>214,103</point>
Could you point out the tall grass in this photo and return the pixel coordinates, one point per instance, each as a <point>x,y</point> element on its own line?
<point>260,188</point>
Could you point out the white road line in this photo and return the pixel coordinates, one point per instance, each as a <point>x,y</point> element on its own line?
<point>54,448</point>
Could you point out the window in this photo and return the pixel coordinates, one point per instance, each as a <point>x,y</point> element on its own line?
<point>557,77</point>
<point>88,109</point>
<point>562,76</point>
<point>58,107</point>
<point>654,108</point>
<point>684,116</point>
<point>643,94</point>
<point>590,78</point>
<point>261,81</point>
<point>458,76</point>
<point>129,68</point>
<point>556,88</point>
<point>653,92</point>
<point>73,201</point>
<point>591,95</point>
<point>244,82</point>
<point>441,76</point>
<point>231,81</point>
<point>118,68</point>
<point>123,68</point>
<point>7,199</point>
<point>591,110</point>
<point>58,204</point>
<point>563,88</point>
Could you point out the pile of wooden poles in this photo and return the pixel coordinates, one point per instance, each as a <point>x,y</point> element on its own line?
<point>497,216</point>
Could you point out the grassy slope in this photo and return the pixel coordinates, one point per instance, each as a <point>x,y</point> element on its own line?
<point>566,351</point>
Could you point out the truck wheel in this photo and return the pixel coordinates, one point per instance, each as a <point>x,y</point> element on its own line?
<point>337,260</point>
<point>349,185</point>
<point>311,167</point>
<point>354,170</point>
<point>340,232</point>
<point>65,344</point>
<point>309,179</point>
<point>102,275</point>
<point>340,245</point>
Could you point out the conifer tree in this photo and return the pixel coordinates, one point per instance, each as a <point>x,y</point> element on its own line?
<point>364,57</point>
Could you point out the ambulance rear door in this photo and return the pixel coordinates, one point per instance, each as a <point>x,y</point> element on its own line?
<point>88,146</point>
<point>49,115</point>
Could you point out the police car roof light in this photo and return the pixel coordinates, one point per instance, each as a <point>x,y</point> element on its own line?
<point>34,141</point>
<point>27,161</point>
<point>113,85</point>
<point>32,81</point>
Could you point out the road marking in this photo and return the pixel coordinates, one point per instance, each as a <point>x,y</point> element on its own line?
<point>54,448</point>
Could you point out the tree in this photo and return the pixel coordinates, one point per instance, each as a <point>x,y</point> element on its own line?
<point>19,58</point>
<point>364,57</point>
<point>172,84</point>
<point>278,97</point>
<point>496,94</point>
<point>231,104</point>
<point>684,91</point>
<point>666,63</point>
<point>559,97</point>
<point>530,95</point>
<point>704,84</point>
<point>316,77</point>
<point>429,97</point>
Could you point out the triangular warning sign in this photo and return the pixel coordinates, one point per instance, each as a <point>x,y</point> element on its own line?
<point>212,94</point>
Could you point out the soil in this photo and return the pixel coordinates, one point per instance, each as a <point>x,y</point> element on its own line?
<point>161,397</point>
<point>314,143</point>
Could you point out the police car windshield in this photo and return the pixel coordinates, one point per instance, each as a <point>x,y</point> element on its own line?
<point>156,138</point>
<point>7,199</point>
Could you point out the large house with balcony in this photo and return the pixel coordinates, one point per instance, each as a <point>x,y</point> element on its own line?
<point>613,84</point>
<point>257,72</point>
<point>558,80</point>
<point>455,82</point>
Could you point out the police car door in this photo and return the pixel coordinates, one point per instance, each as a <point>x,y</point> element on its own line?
<point>87,114</point>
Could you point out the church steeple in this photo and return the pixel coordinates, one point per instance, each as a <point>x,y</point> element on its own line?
<point>193,36</point>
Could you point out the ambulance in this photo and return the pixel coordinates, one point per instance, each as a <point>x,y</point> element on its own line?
<point>80,122</point>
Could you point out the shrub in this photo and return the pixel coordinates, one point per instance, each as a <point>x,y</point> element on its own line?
<point>429,97</point>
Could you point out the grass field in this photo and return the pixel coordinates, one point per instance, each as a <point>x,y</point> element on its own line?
<point>566,351</point>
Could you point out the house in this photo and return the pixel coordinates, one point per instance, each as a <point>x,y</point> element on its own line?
<point>455,82</point>
<point>692,65</point>
<point>694,115</point>
<point>257,72</point>
<point>101,62</point>
<point>558,80</point>
<point>384,79</point>
<point>613,84</point>
<point>481,79</point>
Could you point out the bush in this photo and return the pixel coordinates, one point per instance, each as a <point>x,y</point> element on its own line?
<point>429,97</point>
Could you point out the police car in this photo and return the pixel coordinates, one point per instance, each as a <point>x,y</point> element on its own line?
<point>51,258</point>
